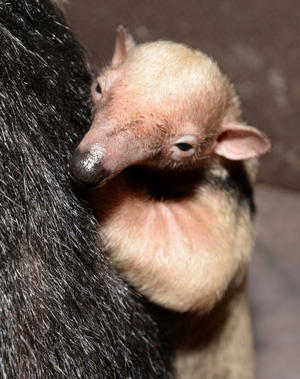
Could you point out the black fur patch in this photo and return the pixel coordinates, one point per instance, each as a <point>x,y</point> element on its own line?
<point>164,184</point>
<point>64,312</point>
<point>168,184</point>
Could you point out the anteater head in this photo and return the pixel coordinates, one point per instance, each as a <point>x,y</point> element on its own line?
<point>165,105</point>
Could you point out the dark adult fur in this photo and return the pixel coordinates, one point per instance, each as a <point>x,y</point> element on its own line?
<point>64,311</point>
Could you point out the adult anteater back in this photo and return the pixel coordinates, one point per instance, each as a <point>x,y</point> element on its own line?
<point>64,311</point>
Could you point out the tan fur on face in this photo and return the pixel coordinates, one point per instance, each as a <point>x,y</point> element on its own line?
<point>195,96</point>
<point>177,75</point>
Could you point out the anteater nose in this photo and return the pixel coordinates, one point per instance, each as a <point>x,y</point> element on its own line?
<point>86,166</point>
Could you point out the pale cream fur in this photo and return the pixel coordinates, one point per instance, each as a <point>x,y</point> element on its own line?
<point>188,253</point>
<point>169,249</point>
<point>225,353</point>
<point>192,82</point>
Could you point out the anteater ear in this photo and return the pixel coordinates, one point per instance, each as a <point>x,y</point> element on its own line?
<point>237,141</point>
<point>124,44</point>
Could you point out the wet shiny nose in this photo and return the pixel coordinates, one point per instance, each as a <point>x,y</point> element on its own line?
<point>86,166</point>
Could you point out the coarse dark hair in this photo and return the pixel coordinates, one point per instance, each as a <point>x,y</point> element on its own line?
<point>64,311</point>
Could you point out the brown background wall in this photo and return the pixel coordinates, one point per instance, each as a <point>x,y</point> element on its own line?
<point>256,43</point>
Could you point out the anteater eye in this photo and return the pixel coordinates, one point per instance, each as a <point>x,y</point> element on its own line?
<point>98,88</point>
<point>184,146</point>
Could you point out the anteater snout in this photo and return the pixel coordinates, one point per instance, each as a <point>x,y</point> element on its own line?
<point>86,166</point>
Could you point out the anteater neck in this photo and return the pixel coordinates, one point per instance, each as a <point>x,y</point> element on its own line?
<point>164,184</point>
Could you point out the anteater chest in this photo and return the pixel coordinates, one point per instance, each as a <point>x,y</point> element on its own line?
<point>152,212</point>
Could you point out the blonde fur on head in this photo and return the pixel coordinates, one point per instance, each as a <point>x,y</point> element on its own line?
<point>178,77</point>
